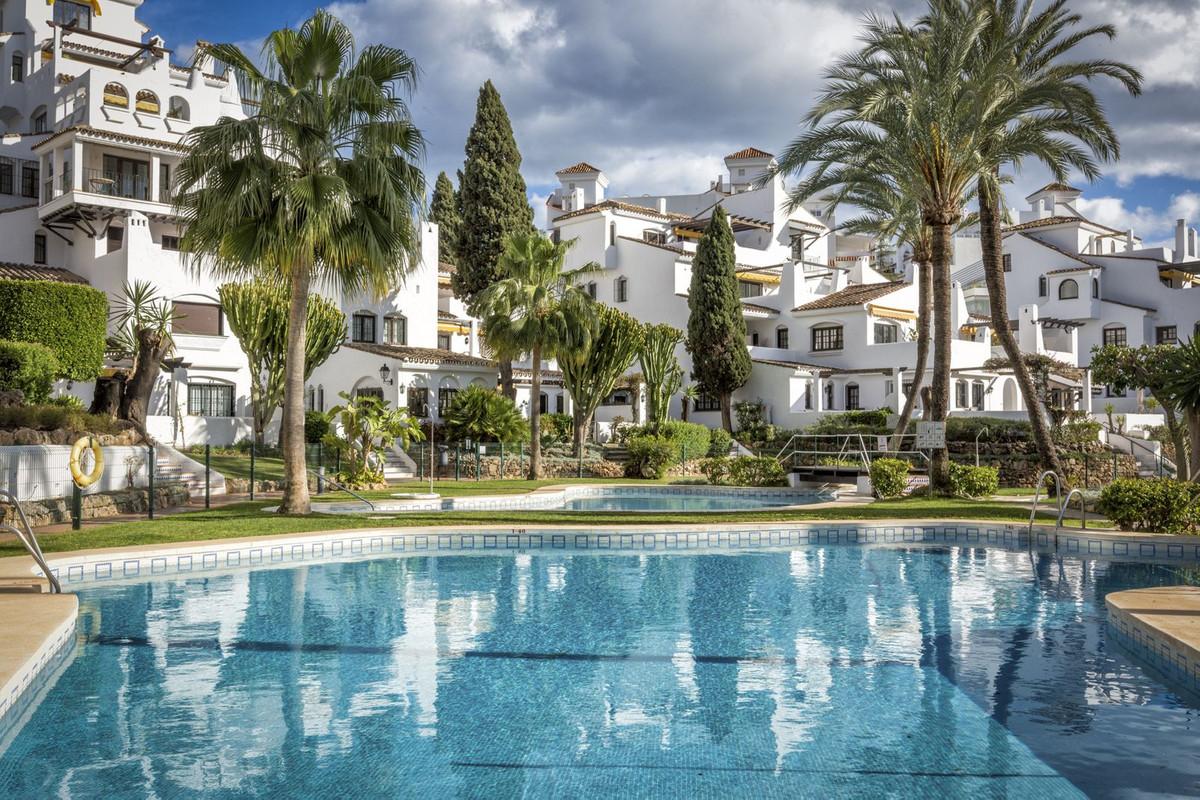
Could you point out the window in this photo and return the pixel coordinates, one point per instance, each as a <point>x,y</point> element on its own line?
<point>1115,335</point>
<point>39,121</point>
<point>622,290</point>
<point>443,341</point>
<point>362,328</point>
<point>960,394</point>
<point>170,242</point>
<point>612,233</point>
<point>1068,290</point>
<point>654,236</point>
<point>445,398</point>
<point>885,333</point>
<point>707,402</point>
<point>123,177</point>
<point>852,397</point>
<point>828,337</point>
<point>619,397</point>
<point>147,102</point>
<point>200,319</point>
<point>1008,262</point>
<point>7,172</point>
<point>749,289</point>
<point>321,398</point>
<point>1109,391</point>
<point>39,248</point>
<point>559,404</point>
<point>114,236</point>
<point>591,289</point>
<point>29,180</point>
<point>165,194</point>
<point>18,68</point>
<point>418,402</point>
<point>828,397</point>
<point>808,390</point>
<point>210,400</point>
<point>977,396</point>
<point>77,14</point>
<point>1043,287</point>
<point>754,338</point>
<point>395,331</point>
<point>1166,334</point>
<point>1096,288</point>
<point>797,248</point>
<point>369,391</point>
<point>177,108</point>
<point>543,403</point>
<point>781,337</point>
<point>116,95</point>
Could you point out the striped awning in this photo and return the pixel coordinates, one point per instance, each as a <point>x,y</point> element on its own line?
<point>891,313</point>
<point>454,327</point>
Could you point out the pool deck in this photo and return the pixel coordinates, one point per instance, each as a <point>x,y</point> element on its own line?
<point>34,628</point>
<point>1161,625</point>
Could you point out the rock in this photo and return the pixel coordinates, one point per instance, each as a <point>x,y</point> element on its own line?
<point>6,438</point>
<point>10,398</point>
<point>26,436</point>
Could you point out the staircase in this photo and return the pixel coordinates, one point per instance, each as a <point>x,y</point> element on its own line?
<point>398,466</point>
<point>167,472</point>
<point>1151,463</point>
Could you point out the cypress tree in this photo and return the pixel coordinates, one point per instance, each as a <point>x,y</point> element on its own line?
<point>443,209</point>
<point>716,328</point>
<point>492,205</point>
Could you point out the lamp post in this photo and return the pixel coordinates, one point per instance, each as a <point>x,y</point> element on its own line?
<point>982,431</point>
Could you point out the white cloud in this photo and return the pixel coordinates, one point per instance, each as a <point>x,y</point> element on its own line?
<point>1154,226</point>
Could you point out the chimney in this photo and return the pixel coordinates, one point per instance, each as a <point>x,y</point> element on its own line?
<point>1180,237</point>
<point>1192,242</point>
<point>1129,239</point>
<point>662,205</point>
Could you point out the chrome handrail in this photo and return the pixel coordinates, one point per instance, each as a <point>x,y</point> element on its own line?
<point>1163,461</point>
<point>321,477</point>
<point>1062,510</point>
<point>1038,494</point>
<point>29,540</point>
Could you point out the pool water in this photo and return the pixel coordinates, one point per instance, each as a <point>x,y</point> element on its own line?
<point>685,502</point>
<point>818,672</point>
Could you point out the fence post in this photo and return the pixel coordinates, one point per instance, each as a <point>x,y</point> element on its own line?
<point>76,507</point>
<point>420,461</point>
<point>579,472</point>
<point>207,476</point>
<point>478,461</point>
<point>251,469</point>
<point>521,458</point>
<point>1087,472</point>
<point>457,462</point>
<point>150,494</point>
<point>1114,475</point>
<point>501,476</point>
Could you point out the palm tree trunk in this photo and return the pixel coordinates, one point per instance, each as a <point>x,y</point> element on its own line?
<point>993,271</point>
<point>1193,422</point>
<point>295,490</point>
<point>580,420</point>
<point>153,345</point>
<point>939,468</point>
<point>727,411</point>
<point>683,409</point>
<point>1183,469</point>
<point>924,312</point>
<point>507,387</point>
<point>535,414</point>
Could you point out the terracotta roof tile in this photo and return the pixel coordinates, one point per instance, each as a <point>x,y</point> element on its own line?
<point>116,137</point>
<point>617,205</point>
<point>1083,268</point>
<point>852,296</point>
<point>1054,187</point>
<point>748,152</point>
<point>775,362</point>
<point>1056,220</point>
<point>424,355</point>
<point>576,169</point>
<point>36,272</point>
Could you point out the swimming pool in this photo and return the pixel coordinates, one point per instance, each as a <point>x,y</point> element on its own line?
<point>602,498</point>
<point>816,672</point>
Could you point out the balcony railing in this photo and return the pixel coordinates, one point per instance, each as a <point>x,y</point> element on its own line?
<point>116,184</point>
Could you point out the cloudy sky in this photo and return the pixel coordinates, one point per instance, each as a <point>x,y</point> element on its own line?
<point>655,92</point>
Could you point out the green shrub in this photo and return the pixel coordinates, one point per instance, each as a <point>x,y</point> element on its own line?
<point>691,439</point>
<point>756,471</point>
<point>483,415</point>
<point>964,429</point>
<point>28,367</point>
<point>66,401</point>
<point>716,469</point>
<point>866,422</point>
<point>1078,433</point>
<point>1159,505</point>
<point>889,477</point>
<point>52,417</point>
<point>316,426</point>
<point>650,455</point>
<point>719,443</point>
<point>969,481</point>
<point>71,319</point>
<point>557,429</point>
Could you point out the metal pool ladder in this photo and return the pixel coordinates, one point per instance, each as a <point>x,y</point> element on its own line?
<point>1062,510</point>
<point>1038,495</point>
<point>25,534</point>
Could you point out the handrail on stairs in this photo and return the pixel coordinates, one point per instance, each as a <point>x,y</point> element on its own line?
<point>320,476</point>
<point>27,538</point>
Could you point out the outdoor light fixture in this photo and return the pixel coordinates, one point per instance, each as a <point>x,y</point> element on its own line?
<point>385,374</point>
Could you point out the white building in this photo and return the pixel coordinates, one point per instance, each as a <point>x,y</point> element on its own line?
<point>93,113</point>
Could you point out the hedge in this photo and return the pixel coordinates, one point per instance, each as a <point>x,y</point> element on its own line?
<point>1158,505</point>
<point>889,477</point>
<point>29,367</point>
<point>969,481</point>
<point>744,471</point>
<point>69,318</point>
<point>650,456</point>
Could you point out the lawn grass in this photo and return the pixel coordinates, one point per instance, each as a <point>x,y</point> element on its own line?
<point>238,466</point>
<point>248,519</point>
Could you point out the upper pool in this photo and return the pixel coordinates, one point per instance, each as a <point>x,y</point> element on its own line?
<point>601,498</point>
<point>822,671</point>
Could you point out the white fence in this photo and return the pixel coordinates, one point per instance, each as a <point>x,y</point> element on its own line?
<point>40,472</point>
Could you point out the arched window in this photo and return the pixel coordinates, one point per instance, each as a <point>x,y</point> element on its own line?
<point>395,329</point>
<point>177,108</point>
<point>38,121</point>
<point>1068,289</point>
<point>310,399</point>
<point>828,397</point>
<point>781,337</point>
<point>321,398</point>
<point>827,337</point>
<point>1096,288</point>
<point>543,403</point>
<point>147,101</point>
<point>17,73</point>
<point>1042,287</point>
<point>960,394</point>
<point>621,290</point>
<point>852,397</point>
<point>977,392</point>
<point>115,95</point>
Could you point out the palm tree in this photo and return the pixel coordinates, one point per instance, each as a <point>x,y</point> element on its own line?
<point>537,308</point>
<point>687,399</point>
<point>319,185</point>
<point>1184,387</point>
<point>900,108</point>
<point>1032,103</point>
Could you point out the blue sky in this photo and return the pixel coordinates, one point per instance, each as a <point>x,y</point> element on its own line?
<point>657,104</point>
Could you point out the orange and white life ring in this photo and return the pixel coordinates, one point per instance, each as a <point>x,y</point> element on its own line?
<point>85,443</point>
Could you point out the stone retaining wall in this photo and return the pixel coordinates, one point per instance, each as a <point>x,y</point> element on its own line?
<point>97,506</point>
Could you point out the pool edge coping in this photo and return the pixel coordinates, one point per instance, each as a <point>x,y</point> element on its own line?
<point>1147,622</point>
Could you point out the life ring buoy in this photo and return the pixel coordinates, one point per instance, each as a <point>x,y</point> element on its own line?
<point>81,480</point>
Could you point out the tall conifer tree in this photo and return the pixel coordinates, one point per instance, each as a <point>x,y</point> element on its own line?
<point>493,205</point>
<point>443,209</point>
<point>716,328</point>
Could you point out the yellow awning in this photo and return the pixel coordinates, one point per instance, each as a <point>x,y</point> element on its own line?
<point>759,277</point>
<point>890,313</point>
<point>453,327</point>
<point>95,5</point>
